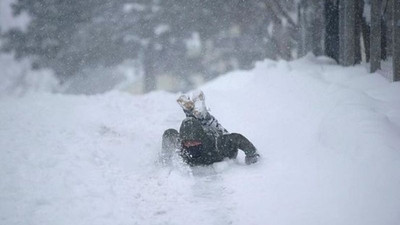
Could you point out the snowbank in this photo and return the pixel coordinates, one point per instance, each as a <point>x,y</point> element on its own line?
<point>125,77</point>
<point>329,137</point>
<point>18,79</point>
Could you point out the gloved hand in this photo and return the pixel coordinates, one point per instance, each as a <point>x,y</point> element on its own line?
<point>186,103</point>
<point>200,110</point>
<point>250,159</point>
<point>194,106</point>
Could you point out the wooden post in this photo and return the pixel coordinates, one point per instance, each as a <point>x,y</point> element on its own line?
<point>375,38</point>
<point>396,40</point>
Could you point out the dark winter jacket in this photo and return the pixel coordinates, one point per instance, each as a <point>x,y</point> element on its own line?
<point>215,145</point>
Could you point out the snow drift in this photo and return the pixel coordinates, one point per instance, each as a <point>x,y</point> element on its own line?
<point>329,137</point>
<point>18,78</point>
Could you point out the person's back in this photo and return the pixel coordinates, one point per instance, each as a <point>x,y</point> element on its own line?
<point>201,140</point>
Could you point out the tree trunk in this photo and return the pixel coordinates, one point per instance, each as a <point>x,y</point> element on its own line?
<point>385,30</point>
<point>348,32</point>
<point>332,29</point>
<point>376,32</point>
<point>359,8</point>
<point>341,30</point>
<point>149,81</point>
<point>396,40</point>
<point>384,40</point>
<point>301,32</point>
<point>307,27</point>
<point>317,27</point>
<point>366,33</point>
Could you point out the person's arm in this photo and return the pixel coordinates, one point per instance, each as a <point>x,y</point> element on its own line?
<point>209,120</point>
<point>250,159</point>
<point>242,143</point>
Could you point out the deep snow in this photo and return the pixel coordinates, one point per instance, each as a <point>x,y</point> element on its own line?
<point>329,137</point>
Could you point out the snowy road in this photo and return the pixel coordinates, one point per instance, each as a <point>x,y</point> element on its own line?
<point>329,137</point>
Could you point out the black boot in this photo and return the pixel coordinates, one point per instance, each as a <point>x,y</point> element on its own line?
<point>170,142</point>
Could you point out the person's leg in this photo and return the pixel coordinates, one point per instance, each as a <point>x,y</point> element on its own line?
<point>170,142</point>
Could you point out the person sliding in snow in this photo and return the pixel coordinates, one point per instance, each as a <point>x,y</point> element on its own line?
<point>201,140</point>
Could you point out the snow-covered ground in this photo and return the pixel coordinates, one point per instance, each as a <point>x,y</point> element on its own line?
<point>329,137</point>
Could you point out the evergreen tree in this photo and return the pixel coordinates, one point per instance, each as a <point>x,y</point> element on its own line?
<point>50,32</point>
<point>70,35</point>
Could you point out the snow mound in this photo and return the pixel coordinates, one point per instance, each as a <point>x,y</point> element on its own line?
<point>18,79</point>
<point>329,137</point>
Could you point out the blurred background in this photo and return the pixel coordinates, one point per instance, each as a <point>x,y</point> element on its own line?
<point>94,46</point>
